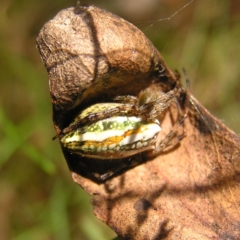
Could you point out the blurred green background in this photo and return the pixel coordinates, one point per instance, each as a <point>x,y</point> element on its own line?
<point>38,199</point>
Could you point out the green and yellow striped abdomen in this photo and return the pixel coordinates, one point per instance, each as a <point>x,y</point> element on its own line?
<point>113,137</point>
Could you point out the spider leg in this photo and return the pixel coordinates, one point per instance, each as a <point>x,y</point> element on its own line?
<point>163,102</point>
<point>173,138</point>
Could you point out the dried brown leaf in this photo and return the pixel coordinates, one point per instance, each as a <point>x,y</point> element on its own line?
<point>93,55</point>
<point>189,192</point>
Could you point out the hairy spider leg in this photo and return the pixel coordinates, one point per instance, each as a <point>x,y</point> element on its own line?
<point>172,139</point>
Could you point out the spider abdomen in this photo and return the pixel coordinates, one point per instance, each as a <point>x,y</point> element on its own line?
<point>114,137</point>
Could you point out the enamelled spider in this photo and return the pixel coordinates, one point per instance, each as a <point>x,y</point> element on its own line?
<point>123,128</point>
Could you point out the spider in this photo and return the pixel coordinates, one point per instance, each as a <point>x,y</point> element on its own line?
<point>123,128</point>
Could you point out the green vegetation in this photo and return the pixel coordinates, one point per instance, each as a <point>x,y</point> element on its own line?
<point>38,198</point>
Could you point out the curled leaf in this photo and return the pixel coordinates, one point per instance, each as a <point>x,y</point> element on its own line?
<point>188,192</point>
<point>93,55</point>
